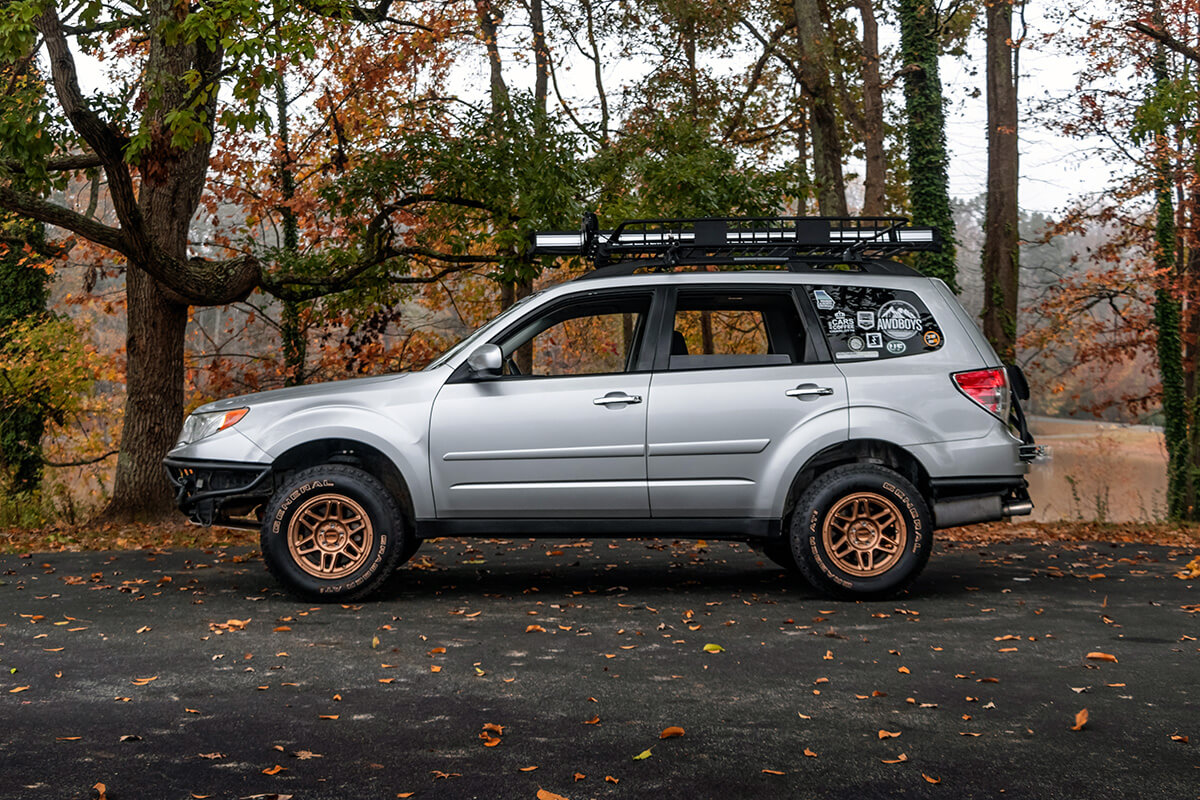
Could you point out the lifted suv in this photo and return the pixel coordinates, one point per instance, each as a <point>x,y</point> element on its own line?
<point>828,406</point>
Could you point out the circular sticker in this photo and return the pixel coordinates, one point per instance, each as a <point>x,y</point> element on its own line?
<point>856,343</point>
<point>932,338</point>
<point>898,319</point>
<point>896,348</point>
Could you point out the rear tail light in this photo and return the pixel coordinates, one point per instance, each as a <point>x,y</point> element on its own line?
<point>987,387</point>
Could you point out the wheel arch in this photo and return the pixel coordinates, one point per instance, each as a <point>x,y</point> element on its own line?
<point>858,451</point>
<point>354,453</point>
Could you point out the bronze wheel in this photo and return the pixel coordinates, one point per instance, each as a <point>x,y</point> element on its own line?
<point>330,536</point>
<point>864,534</point>
<point>861,532</point>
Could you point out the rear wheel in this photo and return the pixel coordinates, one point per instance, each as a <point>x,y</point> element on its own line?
<point>861,531</point>
<point>333,532</point>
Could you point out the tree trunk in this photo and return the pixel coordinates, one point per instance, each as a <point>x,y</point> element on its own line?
<point>541,54</point>
<point>815,65</point>
<point>153,399</point>
<point>489,22</point>
<point>875,178</point>
<point>1001,257</point>
<point>925,128</point>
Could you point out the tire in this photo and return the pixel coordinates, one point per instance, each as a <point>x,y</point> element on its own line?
<point>780,552</point>
<point>861,532</point>
<point>411,545</point>
<point>333,533</point>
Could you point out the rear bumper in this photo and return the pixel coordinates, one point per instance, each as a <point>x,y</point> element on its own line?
<point>219,492</point>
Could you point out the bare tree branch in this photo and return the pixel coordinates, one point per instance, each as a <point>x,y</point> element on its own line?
<point>1191,53</point>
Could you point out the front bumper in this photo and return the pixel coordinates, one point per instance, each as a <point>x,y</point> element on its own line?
<point>219,492</point>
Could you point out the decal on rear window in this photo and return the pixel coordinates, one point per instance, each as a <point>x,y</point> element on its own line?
<point>864,322</point>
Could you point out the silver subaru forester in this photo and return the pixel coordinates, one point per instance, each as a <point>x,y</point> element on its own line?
<point>776,381</point>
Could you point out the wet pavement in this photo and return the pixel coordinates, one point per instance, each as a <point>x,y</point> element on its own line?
<point>190,674</point>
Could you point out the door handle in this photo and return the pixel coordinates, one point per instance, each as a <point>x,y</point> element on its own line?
<point>617,398</point>
<point>809,390</point>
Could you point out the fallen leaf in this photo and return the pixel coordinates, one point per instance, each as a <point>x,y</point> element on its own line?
<point>305,755</point>
<point>374,642</point>
<point>131,737</point>
<point>490,741</point>
<point>437,651</point>
<point>542,794</point>
<point>405,794</point>
<point>713,648</point>
<point>611,779</point>
<point>888,734</point>
<point>929,779</point>
<point>828,655</point>
<point>494,728</point>
<point>100,789</point>
<point>327,716</point>
<point>275,770</point>
<point>535,629</point>
<point>1095,656</point>
<point>1175,737</point>
<point>579,776</point>
<point>593,721</point>
<point>809,753</point>
<point>527,769</point>
<point>774,772</point>
<point>1080,720</point>
<point>642,756</point>
<point>282,628</point>
<point>143,681</point>
<point>67,738</point>
<point>434,668</point>
<point>900,759</point>
<point>212,755</point>
<point>18,689</point>
<point>903,670</point>
<point>674,730</point>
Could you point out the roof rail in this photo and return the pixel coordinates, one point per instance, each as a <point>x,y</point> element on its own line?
<point>799,242</point>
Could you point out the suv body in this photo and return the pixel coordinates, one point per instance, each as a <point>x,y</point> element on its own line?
<point>833,419</point>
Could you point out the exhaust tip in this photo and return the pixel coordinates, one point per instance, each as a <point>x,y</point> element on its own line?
<point>1020,509</point>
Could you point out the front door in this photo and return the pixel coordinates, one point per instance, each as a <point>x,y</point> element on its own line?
<point>741,392</point>
<point>563,432</point>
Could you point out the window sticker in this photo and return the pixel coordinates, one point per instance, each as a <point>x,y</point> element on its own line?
<point>864,322</point>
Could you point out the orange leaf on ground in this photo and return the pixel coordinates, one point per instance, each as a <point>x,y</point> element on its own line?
<point>1096,656</point>
<point>434,668</point>
<point>275,770</point>
<point>774,772</point>
<point>437,651</point>
<point>900,759</point>
<point>535,629</point>
<point>542,794</point>
<point>929,779</point>
<point>405,794</point>
<point>611,779</point>
<point>1080,720</point>
<point>888,734</point>
<point>494,728</point>
<point>674,730</point>
<point>593,721</point>
<point>282,628</point>
<point>327,716</point>
<point>491,742</point>
<point>903,670</point>
<point>1175,737</point>
<point>527,769</point>
<point>579,776</point>
<point>809,753</point>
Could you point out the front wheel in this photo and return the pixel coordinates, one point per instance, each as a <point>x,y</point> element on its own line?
<point>333,533</point>
<point>861,532</point>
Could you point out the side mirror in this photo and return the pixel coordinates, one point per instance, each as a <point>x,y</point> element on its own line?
<point>486,361</point>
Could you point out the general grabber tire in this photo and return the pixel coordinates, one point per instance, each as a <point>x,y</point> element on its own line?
<point>861,532</point>
<point>333,533</point>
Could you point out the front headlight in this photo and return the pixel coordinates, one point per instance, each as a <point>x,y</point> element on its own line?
<point>199,426</point>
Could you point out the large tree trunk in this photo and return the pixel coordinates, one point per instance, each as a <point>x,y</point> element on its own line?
<point>925,128</point>
<point>1001,258</point>
<point>815,65</point>
<point>153,399</point>
<point>875,178</point>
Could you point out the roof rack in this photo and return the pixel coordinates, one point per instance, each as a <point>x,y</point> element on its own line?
<point>802,243</point>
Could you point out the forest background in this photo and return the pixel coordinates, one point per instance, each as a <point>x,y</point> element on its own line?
<point>200,200</point>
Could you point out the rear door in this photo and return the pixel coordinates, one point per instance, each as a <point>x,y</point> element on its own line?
<point>739,386</point>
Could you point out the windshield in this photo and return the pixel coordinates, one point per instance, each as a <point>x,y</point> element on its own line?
<point>478,332</point>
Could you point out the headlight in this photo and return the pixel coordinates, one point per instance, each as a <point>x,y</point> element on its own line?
<point>199,426</point>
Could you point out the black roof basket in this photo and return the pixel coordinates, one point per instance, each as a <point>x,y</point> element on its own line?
<point>801,243</point>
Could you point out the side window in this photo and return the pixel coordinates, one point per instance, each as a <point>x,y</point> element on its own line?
<point>592,336</point>
<point>735,329</point>
<point>863,322</point>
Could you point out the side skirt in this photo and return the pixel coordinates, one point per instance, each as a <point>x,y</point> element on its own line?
<point>676,527</point>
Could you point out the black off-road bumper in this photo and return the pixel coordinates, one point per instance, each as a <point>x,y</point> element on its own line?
<point>219,492</point>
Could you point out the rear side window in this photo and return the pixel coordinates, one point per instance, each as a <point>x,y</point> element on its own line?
<point>864,322</point>
<point>717,330</point>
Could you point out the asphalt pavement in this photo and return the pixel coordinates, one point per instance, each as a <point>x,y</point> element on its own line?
<point>495,669</point>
